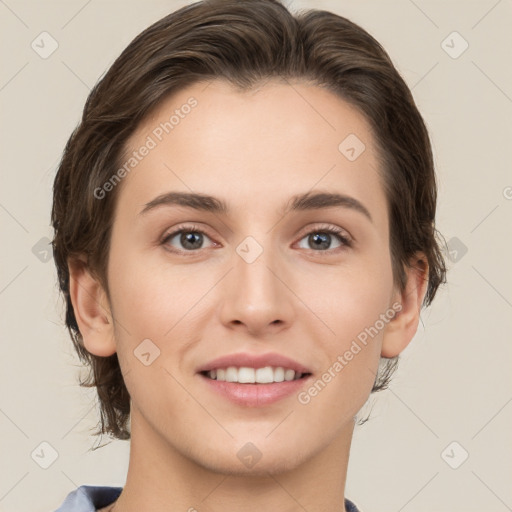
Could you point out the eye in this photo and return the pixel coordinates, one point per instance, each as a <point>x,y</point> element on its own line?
<point>191,239</point>
<point>321,239</point>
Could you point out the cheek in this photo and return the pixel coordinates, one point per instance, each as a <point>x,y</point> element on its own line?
<point>349,298</point>
<point>143,284</point>
<point>351,357</point>
<point>353,305</point>
<point>148,300</point>
<point>155,299</point>
<point>151,302</point>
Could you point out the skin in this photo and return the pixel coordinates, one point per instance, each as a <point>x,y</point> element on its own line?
<point>254,150</point>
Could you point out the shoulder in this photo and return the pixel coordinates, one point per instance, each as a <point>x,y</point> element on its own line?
<point>89,498</point>
<point>350,507</point>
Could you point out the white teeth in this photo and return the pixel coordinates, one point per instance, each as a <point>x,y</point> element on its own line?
<point>289,375</point>
<point>279,374</point>
<point>245,375</point>
<point>264,375</point>
<point>231,374</point>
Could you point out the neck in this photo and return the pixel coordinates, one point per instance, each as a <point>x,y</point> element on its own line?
<point>160,478</point>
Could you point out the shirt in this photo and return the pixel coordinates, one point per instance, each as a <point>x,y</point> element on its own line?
<point>90,498</point>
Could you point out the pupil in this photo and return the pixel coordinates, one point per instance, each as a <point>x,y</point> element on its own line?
<point>187,239</point>
<point>319,239</point>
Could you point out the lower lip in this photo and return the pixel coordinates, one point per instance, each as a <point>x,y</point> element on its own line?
<point>255,395</point>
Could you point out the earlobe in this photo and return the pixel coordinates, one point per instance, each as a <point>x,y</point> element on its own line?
<point>92,310</point>
<point>402,328</point>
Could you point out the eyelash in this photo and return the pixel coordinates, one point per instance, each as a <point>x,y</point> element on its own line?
<point>345,241</point>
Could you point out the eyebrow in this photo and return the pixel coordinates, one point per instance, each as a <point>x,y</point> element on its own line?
<point>300,202</point>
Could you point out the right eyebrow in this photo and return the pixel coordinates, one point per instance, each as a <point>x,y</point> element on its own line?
<point>188,199</point>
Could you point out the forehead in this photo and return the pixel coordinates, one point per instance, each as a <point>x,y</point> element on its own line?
<point>217,112</point>
<point>261,145</point>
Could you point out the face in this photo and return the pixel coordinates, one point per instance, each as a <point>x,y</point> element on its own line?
<point>265,276</point>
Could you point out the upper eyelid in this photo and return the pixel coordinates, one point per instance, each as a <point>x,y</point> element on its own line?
<point>327,227</point>
<point>187,228</point>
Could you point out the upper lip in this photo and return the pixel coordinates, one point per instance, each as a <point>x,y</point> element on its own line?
<point>253,361</point>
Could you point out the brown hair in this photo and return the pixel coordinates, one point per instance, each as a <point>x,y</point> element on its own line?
<point>245,43</point>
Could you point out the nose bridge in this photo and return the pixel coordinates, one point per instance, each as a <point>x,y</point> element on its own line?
<point>256,297</point>
<point>252,265</point>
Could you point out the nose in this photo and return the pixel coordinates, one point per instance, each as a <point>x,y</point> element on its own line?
<point>256,297</point>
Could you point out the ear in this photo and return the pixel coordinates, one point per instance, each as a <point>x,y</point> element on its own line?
<point>402,328</point>
<point>92,310</point>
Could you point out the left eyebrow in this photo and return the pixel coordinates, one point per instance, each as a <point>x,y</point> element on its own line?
<point>300,202</point>
<point>321,200</point>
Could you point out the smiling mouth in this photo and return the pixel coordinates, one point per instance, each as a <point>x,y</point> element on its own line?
<point>246,375</point>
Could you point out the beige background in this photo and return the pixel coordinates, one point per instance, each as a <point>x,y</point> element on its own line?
<point>454,383</point>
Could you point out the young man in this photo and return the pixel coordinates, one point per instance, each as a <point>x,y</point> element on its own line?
<point>244,234</point>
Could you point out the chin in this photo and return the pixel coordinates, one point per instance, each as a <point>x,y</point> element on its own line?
<point>230,464</point>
